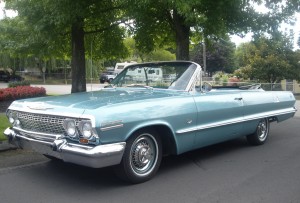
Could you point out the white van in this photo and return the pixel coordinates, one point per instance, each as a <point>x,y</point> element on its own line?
<point>120,66</point>
<point>139,74</point>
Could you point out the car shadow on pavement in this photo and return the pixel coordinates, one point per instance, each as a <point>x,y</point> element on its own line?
<point>72,174</point>
<point>199,156</point>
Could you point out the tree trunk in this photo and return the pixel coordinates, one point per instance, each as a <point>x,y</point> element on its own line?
<point>78,57</point>
<point>182,37</point>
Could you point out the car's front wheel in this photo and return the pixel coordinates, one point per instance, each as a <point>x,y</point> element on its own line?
<point>261,133</point>
<point>141,158</point>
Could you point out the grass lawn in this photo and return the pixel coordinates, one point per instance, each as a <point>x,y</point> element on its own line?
<point>3,125</point>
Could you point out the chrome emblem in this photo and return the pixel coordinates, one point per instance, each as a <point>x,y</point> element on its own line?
<point>39,106</point>
<point>111,125</point>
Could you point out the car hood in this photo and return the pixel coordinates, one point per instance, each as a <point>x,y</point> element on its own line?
<point>78,102</point>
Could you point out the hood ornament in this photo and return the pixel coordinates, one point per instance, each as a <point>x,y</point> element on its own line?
<point>38,106</point>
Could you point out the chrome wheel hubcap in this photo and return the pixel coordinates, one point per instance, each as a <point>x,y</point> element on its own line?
<point>262,130</point>
<point>143,155</point>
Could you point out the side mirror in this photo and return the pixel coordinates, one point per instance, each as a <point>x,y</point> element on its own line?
<point>206,87</point>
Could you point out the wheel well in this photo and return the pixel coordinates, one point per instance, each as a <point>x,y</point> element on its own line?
<point>167,138</point>
<point>272,119</point>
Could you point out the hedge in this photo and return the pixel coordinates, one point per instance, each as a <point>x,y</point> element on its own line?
<point>20,92</point>
<point>19,83</point>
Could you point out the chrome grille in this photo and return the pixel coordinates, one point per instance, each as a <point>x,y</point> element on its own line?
<point>42,123</point>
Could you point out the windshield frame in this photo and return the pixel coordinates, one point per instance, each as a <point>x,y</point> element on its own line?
<point>194,78</point>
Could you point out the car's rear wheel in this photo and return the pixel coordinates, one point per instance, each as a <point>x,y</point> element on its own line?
<point>141,158</point>
<point>261,133</point>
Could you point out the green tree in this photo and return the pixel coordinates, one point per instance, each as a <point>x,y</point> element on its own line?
<point>294,60</point>
<point>267,59</point>
<point>62,25</point>
<point>21,44</point>
<point>243,53</point>
<point>173,21</point>
<point>219,56</point>
<point>159,54</point>
<point>67,23</point>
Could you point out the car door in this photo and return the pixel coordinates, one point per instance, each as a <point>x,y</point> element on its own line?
<point>220,116</point>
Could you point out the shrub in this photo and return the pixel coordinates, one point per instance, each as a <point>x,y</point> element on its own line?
<point>20,92</point>
<point>19,83</point>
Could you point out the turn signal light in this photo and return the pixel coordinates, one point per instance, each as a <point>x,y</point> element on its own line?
<point>83,141</point>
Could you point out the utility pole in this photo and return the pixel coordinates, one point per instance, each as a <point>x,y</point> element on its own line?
<point>204,58</point>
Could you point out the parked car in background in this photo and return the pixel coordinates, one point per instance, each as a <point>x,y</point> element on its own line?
<point>112,72</point>
<point>4,76</point>
<point>107,76</point>
<point>15,78</point>
<point>136,120</point>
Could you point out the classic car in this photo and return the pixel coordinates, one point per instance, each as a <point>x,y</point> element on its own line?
<point>134,121</point>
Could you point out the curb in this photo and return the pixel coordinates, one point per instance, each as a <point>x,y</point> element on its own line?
<point>5,146</point>
<point>297,114</point>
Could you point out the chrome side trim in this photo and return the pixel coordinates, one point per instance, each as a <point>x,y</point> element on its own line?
<point>111,125</point>
<point>238,120</point>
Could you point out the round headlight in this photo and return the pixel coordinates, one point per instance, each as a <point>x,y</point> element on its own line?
<point>70,128</point>
<point>11,117</point>
<point>86,130</point>
<point>17,123</point>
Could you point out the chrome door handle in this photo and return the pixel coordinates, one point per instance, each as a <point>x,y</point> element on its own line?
<point>238,98</point>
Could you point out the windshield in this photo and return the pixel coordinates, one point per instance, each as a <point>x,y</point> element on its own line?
<point>165,75</point>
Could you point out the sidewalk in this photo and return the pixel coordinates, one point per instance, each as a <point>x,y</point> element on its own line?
<point>5,146</point>
<point>297,114</point>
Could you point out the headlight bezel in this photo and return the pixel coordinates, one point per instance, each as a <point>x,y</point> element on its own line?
<point>13,118</point>
<point>86,129</point>
<point>81,130</point>
<point>68,125</point>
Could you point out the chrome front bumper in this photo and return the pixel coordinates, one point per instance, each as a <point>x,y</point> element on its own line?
<point>92,156</point>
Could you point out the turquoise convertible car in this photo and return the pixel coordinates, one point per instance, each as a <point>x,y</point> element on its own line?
<point>149,110</point>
